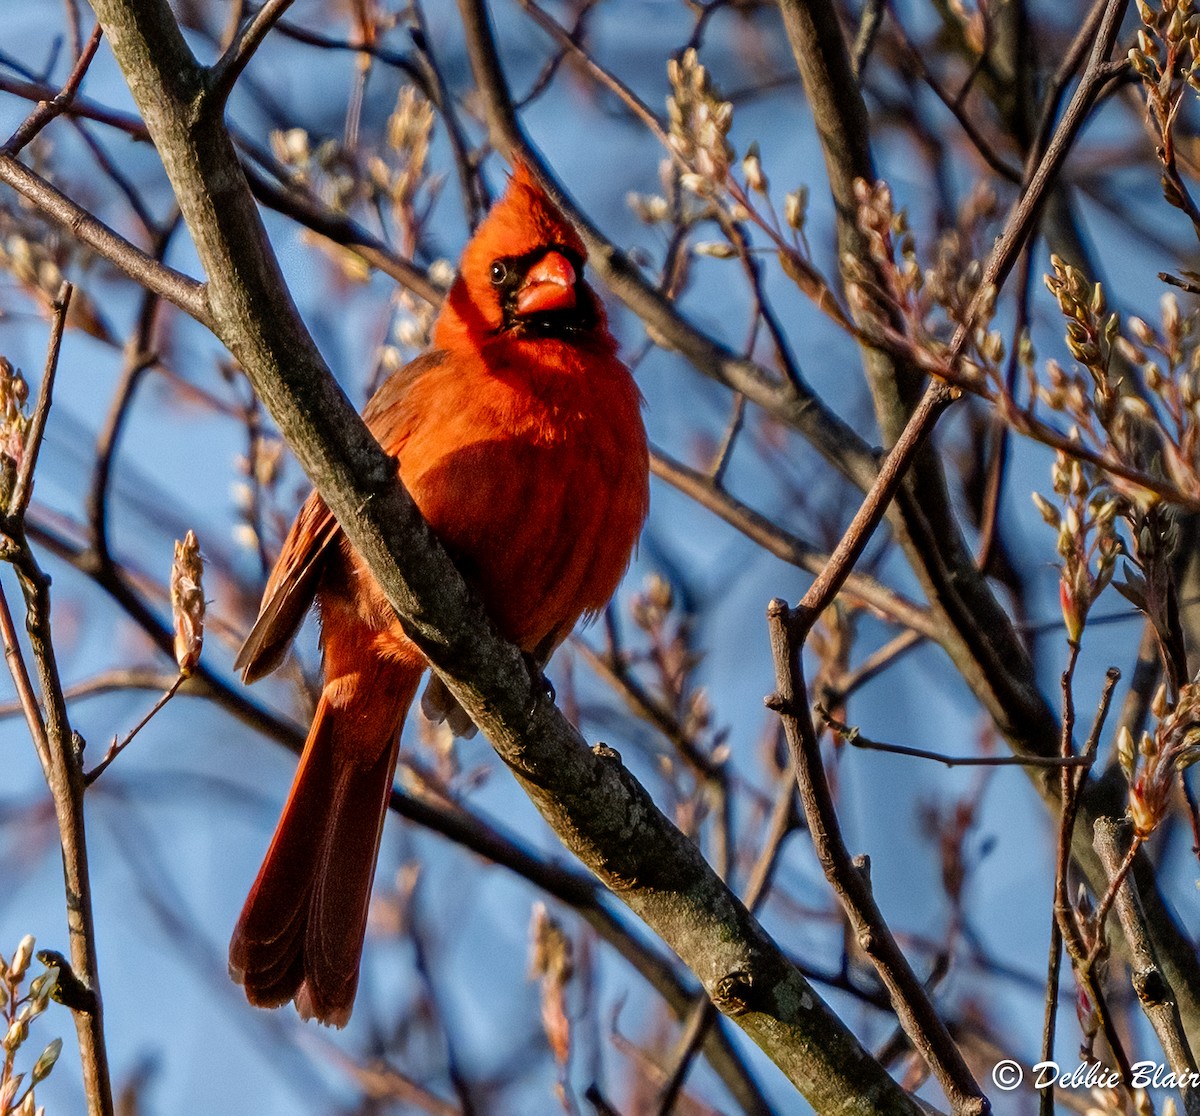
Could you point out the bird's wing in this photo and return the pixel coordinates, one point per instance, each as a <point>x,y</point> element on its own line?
<point>290,590</point>
<point>297,573</point>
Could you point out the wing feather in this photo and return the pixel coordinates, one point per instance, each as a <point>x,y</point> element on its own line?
<point>290,590</point>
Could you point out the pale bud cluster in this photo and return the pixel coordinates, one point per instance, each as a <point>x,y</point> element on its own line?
<point>402,173</point>
<point>650,209</point>
<point>795,208</point>
<point>651,607</point>
<point>261,469</point>
<point>699,125</point>
<point>19,1007</point>
<point>1087,539</point>
<point>552,963</point>
<point>1168,45</point>
<point>14,424</point>
<point>891,282</point>
<point>1151,766</point>
<point>187,603</point>
<point>326,169</point>
<point>415,318</point>
<point>1168,360</point>
<point>32,263</point>
<point>1091,330</point>
<point>37,255</point>
<point>1150,420</point>
<point>753,172</point>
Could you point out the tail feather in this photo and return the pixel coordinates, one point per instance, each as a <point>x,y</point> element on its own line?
<point>301,931</point>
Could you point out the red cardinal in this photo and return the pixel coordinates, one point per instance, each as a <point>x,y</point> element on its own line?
<point>519,435</point>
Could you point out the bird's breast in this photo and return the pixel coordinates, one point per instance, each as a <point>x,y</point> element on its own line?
<point>539,500</point>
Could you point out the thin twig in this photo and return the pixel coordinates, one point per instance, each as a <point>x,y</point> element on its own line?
<point>26,698</point>
<point>1066,826</point>
<point>23,486</point>
<point>61,751</point>
<point>81,107</point>
<point>48,110</point>
<point>139,357</point>
<point>954,105</point>
<point>1065,929</point>
<point>852,736</point>
<point>1108,898</point>
<point>871,667</point>
<point>864,39</point>
<point>925,1028</point>
<point>229,66</point>
<point>788,547</point>
<point>733,428</point>
<point>115,748</point>
<point>107,682</point>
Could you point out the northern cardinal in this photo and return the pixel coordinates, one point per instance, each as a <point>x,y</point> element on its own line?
<point>520,437</point>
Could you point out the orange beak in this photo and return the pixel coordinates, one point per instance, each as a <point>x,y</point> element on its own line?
<point>549,285</point>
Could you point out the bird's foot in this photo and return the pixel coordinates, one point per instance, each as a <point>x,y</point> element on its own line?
<point>537,676</point>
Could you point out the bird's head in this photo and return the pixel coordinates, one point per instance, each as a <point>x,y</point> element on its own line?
<point>521,274</point>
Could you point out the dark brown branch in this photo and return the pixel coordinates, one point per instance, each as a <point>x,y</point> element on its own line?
<point>228,68</point>
<point>924,1027</point>
<point>48,110</point>
<point>186,293</point>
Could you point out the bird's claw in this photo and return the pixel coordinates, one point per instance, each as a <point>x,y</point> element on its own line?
<point>541,684</point>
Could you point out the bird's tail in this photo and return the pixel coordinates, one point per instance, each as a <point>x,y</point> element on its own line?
<point>300,934</point>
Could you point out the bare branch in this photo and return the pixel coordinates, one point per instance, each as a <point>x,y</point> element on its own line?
<point>23,487</point>
<point>924,1027</point>
<point>851,735</point>
<point>117,747</point>
<point>48,110</point>
<point>229,66</point>
<point>186,293</point>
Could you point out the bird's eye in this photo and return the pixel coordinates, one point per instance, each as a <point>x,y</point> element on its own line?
<point>499,273</point>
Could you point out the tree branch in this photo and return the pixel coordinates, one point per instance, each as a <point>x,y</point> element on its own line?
<point>1154,992</point>
<point>61,752</point>
<point>143,268</point>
